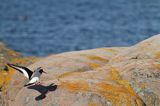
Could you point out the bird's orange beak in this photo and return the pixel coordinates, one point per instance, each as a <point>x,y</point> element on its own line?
<point>44,72</point>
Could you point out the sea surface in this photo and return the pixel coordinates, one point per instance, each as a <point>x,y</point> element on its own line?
<point>42,27</point>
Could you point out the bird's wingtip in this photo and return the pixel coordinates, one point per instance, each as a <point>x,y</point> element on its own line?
<point>8,64</point>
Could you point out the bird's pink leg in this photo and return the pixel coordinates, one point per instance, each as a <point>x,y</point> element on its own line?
<point>39,83</point>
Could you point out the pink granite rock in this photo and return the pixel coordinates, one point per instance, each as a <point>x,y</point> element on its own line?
<point>124,76</point>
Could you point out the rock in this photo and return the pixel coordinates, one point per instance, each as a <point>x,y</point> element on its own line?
<point>124,76</point>
<point>9,56</point>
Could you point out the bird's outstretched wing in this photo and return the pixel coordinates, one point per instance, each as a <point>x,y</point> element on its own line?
<point>25,71</point>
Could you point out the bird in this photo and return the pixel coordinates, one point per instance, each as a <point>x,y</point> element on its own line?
<point>33,77</point>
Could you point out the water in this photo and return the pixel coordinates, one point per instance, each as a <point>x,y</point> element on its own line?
<point>42,27</point>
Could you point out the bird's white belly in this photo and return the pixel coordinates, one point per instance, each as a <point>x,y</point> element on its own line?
<point>33,80</point>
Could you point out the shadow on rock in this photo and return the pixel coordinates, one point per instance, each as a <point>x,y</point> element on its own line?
<point>43,90</point>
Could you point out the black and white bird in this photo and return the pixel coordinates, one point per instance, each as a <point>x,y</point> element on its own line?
<point>34,77</point>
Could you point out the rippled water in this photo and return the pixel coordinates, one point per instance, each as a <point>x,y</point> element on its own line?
<point>42,27</point>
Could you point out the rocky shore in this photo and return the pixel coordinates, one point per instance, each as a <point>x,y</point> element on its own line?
<point>118,76</point>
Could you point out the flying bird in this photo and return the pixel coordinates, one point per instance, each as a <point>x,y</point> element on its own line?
<point>33,77</point>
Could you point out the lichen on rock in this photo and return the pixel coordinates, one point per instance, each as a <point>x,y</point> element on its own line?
<point>122,76</point>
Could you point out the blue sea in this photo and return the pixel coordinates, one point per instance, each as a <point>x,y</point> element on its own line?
<point>42,27</point>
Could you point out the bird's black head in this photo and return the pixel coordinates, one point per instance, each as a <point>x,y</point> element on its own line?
<point>41,70</point>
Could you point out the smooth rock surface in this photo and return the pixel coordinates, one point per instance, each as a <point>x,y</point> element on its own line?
<point>128,76</point>
<point>9,56</point>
